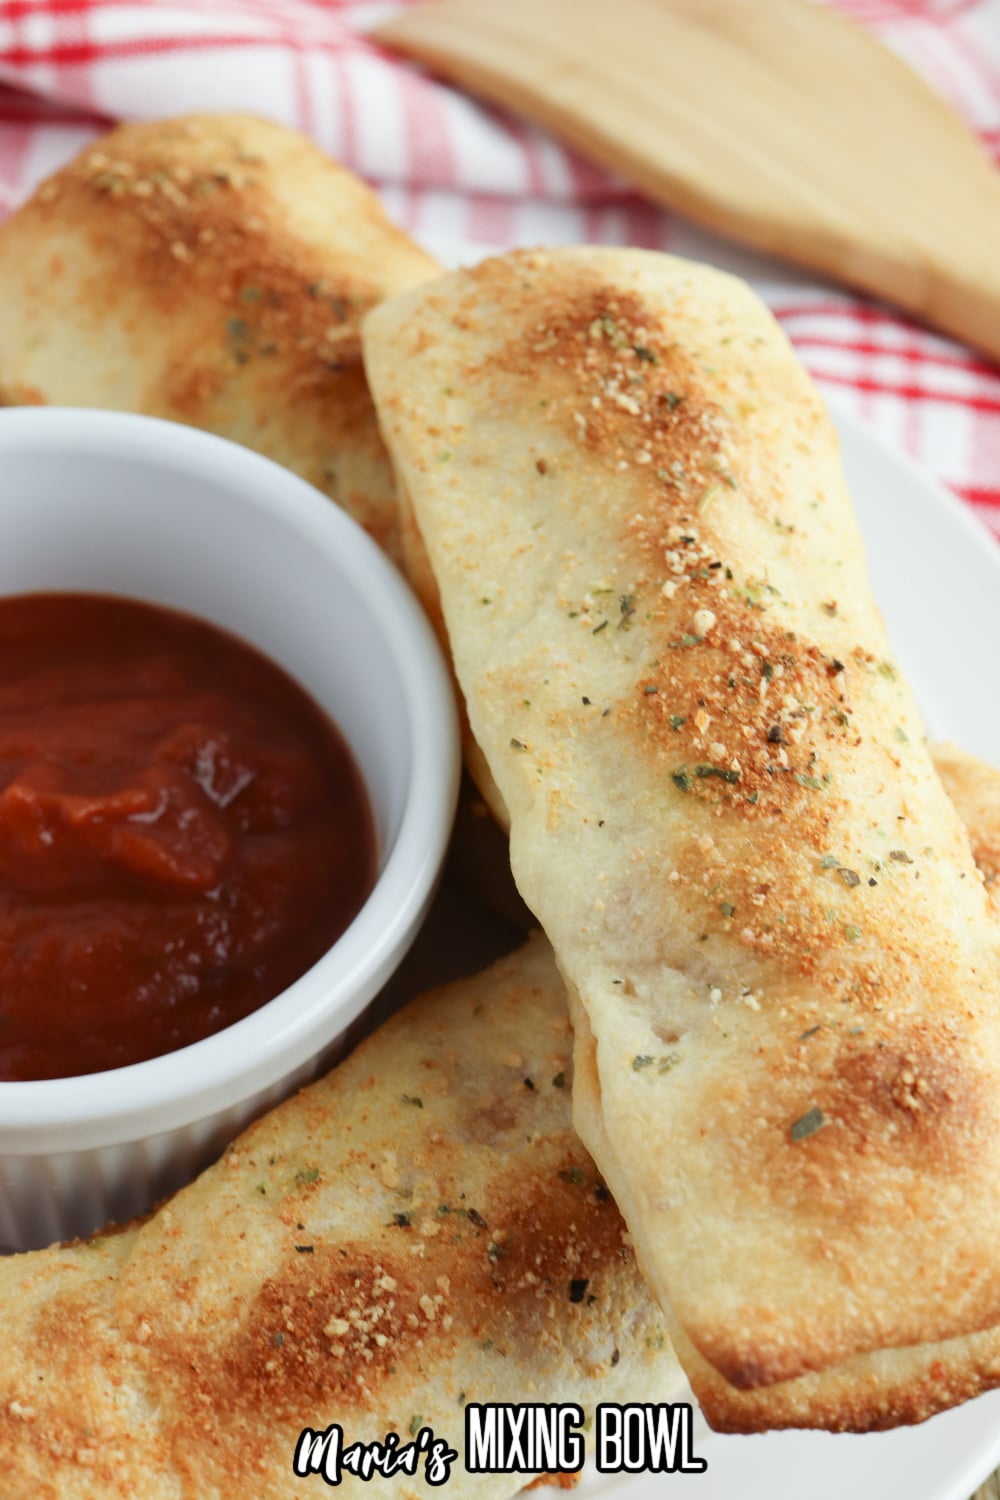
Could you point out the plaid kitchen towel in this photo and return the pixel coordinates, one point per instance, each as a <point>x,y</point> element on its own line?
<point>450,169</point>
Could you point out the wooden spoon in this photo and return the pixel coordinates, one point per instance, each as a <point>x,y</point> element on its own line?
<point>778,122</point>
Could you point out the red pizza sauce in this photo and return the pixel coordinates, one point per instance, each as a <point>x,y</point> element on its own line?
<point>182,833</point>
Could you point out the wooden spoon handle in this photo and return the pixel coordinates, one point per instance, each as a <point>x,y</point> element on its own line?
<point>778,122</point>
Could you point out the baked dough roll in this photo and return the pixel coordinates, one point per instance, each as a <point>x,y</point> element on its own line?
<point>974,788</point>
<point>213,270</point>
<point>783,970</point>
<point>419,1229</point>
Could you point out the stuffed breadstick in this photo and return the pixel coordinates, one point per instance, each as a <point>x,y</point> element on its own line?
<point>784,974</point>
<point>420,1229</point>
<point>212,269</point>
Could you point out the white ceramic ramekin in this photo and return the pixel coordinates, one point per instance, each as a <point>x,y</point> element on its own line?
<point>108,503</point>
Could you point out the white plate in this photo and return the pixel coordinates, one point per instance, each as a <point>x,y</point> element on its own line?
<point>935,572</point>
<point>936,575</point>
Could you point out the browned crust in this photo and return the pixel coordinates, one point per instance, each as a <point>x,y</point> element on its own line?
<point>869,1394</point>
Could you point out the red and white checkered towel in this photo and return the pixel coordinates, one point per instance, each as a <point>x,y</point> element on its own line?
<point>451,169</point>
